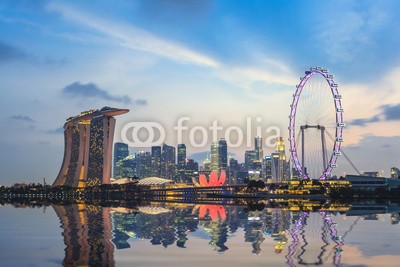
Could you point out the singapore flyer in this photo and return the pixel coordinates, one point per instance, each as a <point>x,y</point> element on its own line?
<point>316,125</point>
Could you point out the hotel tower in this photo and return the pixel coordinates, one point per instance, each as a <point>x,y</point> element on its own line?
<point>88,148</point>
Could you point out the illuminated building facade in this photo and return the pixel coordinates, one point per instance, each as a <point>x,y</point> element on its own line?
<point>125,168</point>
<point>233,170</point>
<point>258,147</point>
<point>143,164</point>
<point>268,168</point>
<point>168,167</point>
<point>181,161</point>
<point>120,152</point>
<point>88,148</point>
<point>279,164</point>
<point>222,155</point>
<point>249,157</point>
<point>156,161</point>
<point>214,157</point>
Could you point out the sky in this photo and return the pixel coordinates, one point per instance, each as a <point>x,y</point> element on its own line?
<point>224,61</point>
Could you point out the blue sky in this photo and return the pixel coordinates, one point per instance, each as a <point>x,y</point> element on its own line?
<point>209,60</point>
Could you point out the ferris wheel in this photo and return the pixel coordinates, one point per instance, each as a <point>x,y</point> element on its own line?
<point>316,125</point>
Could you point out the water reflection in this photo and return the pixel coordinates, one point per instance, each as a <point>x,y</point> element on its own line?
<point>92,233</point>
<point>87,235</point>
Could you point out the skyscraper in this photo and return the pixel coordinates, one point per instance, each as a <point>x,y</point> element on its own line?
<point>268,168</point>
<point>214,158</point>
<point>222,155</point>
<point>181,161</point>
<point>249,157</point>
<point>120,152</point>
<point>156,161</point>
<point>88,148</point>
<point>258,147</point>
<point>279,161</point>
<point>143,164</point>
<point>168,166</point>
<point>125,168</point>
<point>233,169</point>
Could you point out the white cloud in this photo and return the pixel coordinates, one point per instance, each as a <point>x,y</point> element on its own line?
<point>132,37</point>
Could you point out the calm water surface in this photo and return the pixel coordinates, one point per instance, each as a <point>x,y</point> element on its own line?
<point>194,235</point>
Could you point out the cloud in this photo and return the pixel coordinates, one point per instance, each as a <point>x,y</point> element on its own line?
<point>391,112</point>
<point>59,130</point>
<point>363,122</point>
<point>388,113</point>
<point>22,118</point>
<point>157,8</point>
<point>11,53</point>
<point>133,37</point>
<point>91,90</point>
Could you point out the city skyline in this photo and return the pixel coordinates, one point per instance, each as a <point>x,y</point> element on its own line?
<point>213,60</point>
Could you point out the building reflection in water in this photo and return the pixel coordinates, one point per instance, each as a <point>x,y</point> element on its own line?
<point>87,235</point>
<point>91,233</point>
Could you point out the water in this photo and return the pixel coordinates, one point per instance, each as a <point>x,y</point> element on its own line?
<point>195,235</point>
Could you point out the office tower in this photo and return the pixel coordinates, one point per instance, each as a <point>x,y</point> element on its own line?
<point>168,167</point>
<point>181,161</point>
<point>249,157</point>
<point>120,152</point>
<point>206,165</point>
<point>214,158</point>
<point>191,170</point>
<point>88,148</point>
<point>156,161</point>
<point>125,168</point>
<point>222,154</point>
<point>258,147</point>
<point>275,167</point>
<point>255,170</point>
<point>268,168</point>
<point>233,170</point>
<point>280,156</point>
<point>143,164</point>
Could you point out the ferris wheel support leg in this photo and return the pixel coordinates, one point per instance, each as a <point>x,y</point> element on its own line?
<point>323,148</point>
<point>302,152</point>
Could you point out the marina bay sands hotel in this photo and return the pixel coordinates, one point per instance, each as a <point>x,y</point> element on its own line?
<point>88,148</point>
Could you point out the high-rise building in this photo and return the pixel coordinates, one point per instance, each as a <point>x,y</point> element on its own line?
<point>168,166</point>
<point>281,166</point>
<point>275,167</point>
<point>222,155</point>
<point>191,171</point>
<point>88,148</point>
<point>258,147</point>
<point>125,168</point>
<point>214,158</point>
<point>233,170</point>
<point>181,161</point>
<point>120,152</point>
<point>143,164</point>
<point>156,161</point>
<point>249,157</point>
<point>268,168</point>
